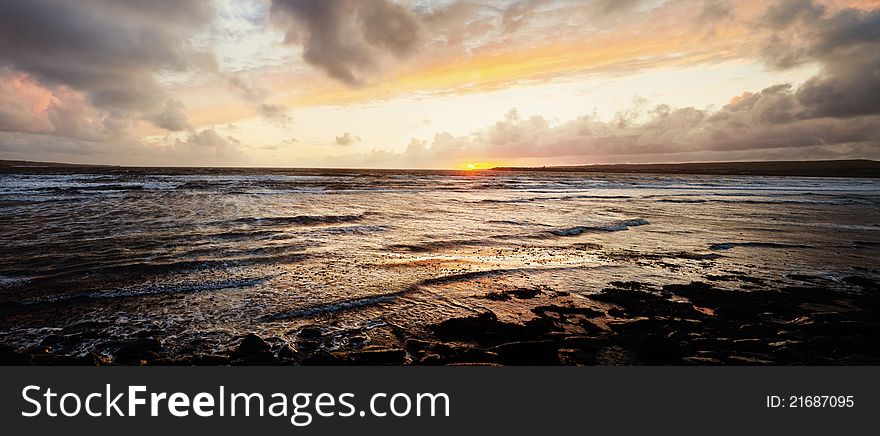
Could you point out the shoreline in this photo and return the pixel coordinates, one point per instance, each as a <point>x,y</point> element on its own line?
<point>626,323</point>
<point>821,168</point>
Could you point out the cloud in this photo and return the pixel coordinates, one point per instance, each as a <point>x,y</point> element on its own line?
<point>348,39</point>
<point>834,113</point>
<point>846,44</point>
<point>109,51</point>
<point>347,139</point>
<point>198,148</point>
<point>275,113</point>
<point>257,95</point>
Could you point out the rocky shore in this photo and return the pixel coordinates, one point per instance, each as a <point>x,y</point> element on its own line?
<point>627,323</point>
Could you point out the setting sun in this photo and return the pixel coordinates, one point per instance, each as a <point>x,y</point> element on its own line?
<point>472,166</point>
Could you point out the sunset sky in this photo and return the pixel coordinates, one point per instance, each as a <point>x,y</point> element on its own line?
<point>437,84</point>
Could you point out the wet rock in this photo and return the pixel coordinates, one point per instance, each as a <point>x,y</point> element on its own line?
<point>788,355</point>
<point>651,349</point>
<point>755,330</point>
<point>712,344</point>
<point>322,358</point>
<point>567,310</point>
<point>52,340</point>
<point>264,357</point>
<point>750,345</point>
<point>9,356</point>
<point>615,356</point>
<point>308,345</point>
<point>584,343</point>
<point>861,360</point>
<point>457,353</point>
<point>432,360</point>
<point>747,360</point>
<point>140,351</point>
<point>378,356</point>
<point>251,345</point>
<point>710,354</point>
<point>702,361</point>
<point>527,353</point>
<point>288,352</point>
<point>313,333</point>
<point>860,281</point>
<point>520,294</point>
<point>575,356</point>
<point>357,340</point>
<point>210,360</point>
<point>417,345</point>
<point>148,333</point>
<point>483,328</point>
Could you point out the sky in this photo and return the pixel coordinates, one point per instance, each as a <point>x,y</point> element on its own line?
<point>437,84</point>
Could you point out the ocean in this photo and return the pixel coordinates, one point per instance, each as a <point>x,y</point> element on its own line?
<point>195,259</point>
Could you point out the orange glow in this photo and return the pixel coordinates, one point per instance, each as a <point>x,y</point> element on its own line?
<point>476,166</point>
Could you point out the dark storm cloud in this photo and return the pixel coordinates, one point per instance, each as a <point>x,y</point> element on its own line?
<point>348,39</point>
<point>847,46</point>
<point>109,50</point>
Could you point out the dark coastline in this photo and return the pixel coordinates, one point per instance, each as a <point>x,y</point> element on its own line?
<point>856,168</point>
<point>860,168</point>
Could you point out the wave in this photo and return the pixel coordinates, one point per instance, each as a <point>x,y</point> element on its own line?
<point>429,246</point>
<point>154,289</point>
<point>729,245</point>
<point>616,227</point>
<point>329,308</point>
<point>558,198</point>
<point>302,220</point>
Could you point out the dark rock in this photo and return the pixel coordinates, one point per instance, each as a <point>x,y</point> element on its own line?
<point>322,358</point>
<point>357,340</point>
<point>378,356</point>
<point>701,361</point>
<point>747,360</point>
<point>417,345</point>
<point>860,281</point>
<point>308,345</point>
<point>482,328</point>
<point>456,353</point>
<point>615,356</point>
<point>52,340</point>
<point>750,345</point>
<point>251,345</point>
<point>651,349</point>
<point>432,360</point>
<point>711,344</point>
<point>288,352</point>
<point>575,356</point>
<point>9,356</point>
<point>755,331</point>
<point>788,355</point>
<point>310,333</point>
<point>210,360</point>
<point>264,357</point>
<point>528,353</point>
<point>520,294</point>
<point>498,296</point>
<point>140,351</point>
<point>585,343</point>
